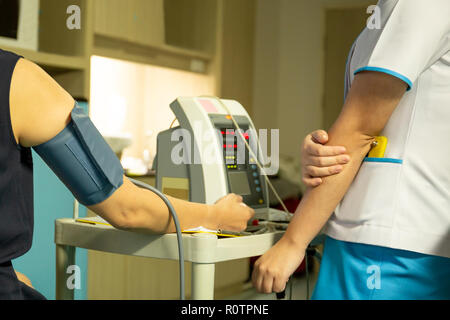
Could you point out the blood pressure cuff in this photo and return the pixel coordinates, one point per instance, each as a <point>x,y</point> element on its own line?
<point>82,160</point>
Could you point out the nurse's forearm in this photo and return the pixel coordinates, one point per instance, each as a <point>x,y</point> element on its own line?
<point>319,203</point>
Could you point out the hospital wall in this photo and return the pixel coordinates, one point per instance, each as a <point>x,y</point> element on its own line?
<point>288,70</point>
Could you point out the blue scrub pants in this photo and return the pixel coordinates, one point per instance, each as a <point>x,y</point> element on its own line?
<point>354,271</point>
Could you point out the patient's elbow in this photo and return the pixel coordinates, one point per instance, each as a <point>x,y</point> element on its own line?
<point>138,220</point>
<point>120,223</point>
<point>120,217</point>
<point>124,219</point>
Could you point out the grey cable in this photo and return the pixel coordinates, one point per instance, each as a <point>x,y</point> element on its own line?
<point>177,227</point>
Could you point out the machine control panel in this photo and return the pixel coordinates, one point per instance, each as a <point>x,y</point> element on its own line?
<point>212,157</point>
<point>244,176</point>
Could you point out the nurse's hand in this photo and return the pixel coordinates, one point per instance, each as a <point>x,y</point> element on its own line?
<point>273,269</point>
<point>231,213</point>
<point>319,161</point>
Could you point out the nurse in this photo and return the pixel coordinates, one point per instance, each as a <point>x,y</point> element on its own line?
<point>386,217</point>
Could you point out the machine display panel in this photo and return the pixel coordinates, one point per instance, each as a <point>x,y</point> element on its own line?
<point>239,182</point>
<point>242,172</point>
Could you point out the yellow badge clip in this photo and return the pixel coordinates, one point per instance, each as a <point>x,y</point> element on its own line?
<point>378,148</point>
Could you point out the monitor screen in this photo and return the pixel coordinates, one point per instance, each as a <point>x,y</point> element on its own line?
<point>239,182</point>
<point>9,18</point>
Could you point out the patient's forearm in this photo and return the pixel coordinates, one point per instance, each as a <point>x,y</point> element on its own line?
<point>150,213</point>
<point>133,208</point>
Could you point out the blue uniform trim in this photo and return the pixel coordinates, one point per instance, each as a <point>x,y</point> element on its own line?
<point>392,73</point>
<point>385,160</point>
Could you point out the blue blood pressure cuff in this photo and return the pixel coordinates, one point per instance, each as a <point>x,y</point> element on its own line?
<point>82,160</point>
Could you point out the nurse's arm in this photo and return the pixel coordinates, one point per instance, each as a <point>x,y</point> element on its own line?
<point>40,109</point>
<point>371,101</point>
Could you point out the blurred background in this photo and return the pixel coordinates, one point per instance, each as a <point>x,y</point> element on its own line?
<point>126,61</point>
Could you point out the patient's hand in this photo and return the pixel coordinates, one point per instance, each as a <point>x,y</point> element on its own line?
<point>231,213</point>
<point>320,161</point>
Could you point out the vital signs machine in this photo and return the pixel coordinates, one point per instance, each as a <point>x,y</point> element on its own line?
<point>208,155</point>
<point>214,151</point>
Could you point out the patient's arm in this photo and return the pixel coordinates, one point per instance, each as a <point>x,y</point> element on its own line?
<point>369,105</point>
<point>40,109</point>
